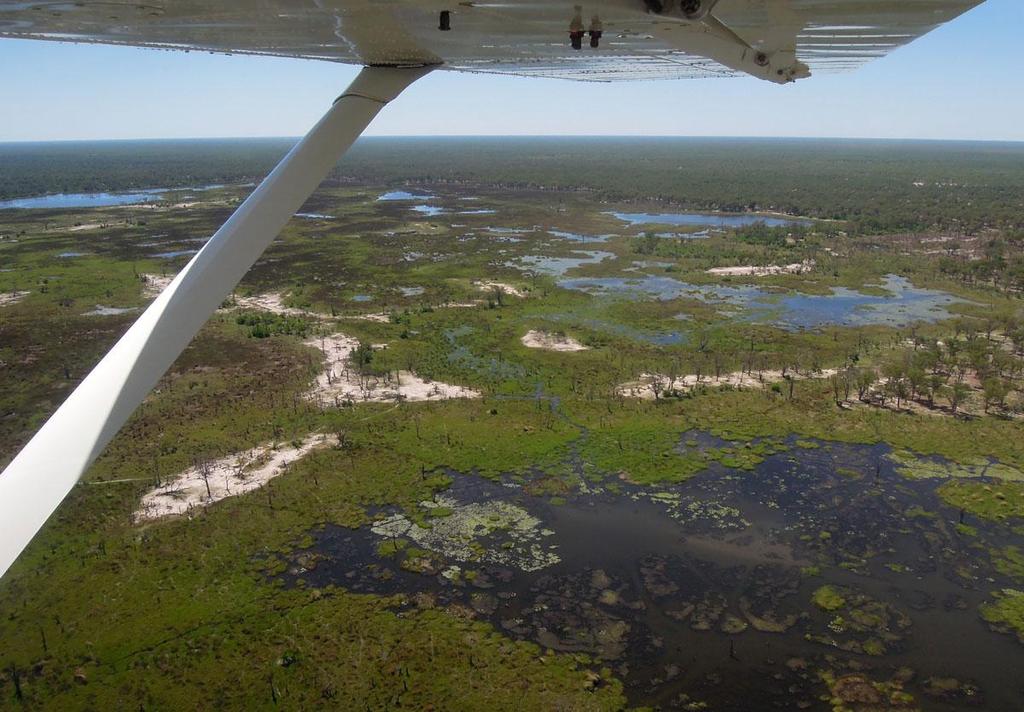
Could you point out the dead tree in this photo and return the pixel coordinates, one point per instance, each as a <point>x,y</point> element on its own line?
<point>205,469</point>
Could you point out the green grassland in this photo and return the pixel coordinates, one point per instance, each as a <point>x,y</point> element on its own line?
<point>101,613</point>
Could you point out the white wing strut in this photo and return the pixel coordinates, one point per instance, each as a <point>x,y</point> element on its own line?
<point>42,474</point>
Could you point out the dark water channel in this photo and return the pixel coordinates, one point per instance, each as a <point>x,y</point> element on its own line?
<point>702,592</point>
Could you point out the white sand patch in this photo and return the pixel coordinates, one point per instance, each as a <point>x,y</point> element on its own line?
<point>878,395</point>
<point>551,341</point>
<point>153,284</point>
<point>86,226</point>
<point>762,270</point>
<point>381,317</point>
<point>9,298</point>
<point>101,310</point>
<point>159,206</point>
<point>214,480</point>
<point>273,302</point>
<point>650,384</point>
<point>341,383</point>
<point>487,285</point>
<point>385,317</point>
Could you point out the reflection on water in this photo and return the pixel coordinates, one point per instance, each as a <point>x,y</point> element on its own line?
<point>558,266</point>
<point>83,200</point>
<point>96,200</point>
<point>427,209</point>
<point>704,592</point>
<point>403,195</point>
<point>578,237</point>
<point>843,307</point>
<point>847,307</point>
<point>705,219</point>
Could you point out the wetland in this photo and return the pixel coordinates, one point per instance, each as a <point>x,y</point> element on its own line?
<point>475,434</point>
<point>731,584</point>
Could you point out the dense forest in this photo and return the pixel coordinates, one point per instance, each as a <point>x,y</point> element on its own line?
<point>94,166</point>
<point>876,186</point>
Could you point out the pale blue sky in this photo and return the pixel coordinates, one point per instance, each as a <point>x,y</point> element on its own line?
<point>962,81</point>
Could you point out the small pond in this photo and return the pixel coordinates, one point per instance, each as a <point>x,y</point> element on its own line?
<point>428,210</point>
<point>403,195</point>
<point>558,266</point>
<point>94,200</point>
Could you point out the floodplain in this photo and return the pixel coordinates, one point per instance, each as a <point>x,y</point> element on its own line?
<point>467,440</point>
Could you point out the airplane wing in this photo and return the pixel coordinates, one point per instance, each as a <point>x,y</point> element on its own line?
<point>776,40</point>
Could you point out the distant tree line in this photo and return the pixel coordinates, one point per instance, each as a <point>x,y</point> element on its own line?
<point>875,186</point>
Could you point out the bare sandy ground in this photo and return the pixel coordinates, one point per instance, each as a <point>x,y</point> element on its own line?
<point>153,284</point>
<point>273,302</point>
<point>382,317</point>
<point>86,226</point>
<point>645,386</point>
<point>212,481</point>
<point>487,285</point>
<point>175,206</point>
<point>551,342</point>
<point>341,383</point>
<point>973,405</point>
<point>8,298</point>
<point>761,270</point>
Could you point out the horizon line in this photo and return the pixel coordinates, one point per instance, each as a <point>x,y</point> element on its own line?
<point>894,139</point>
